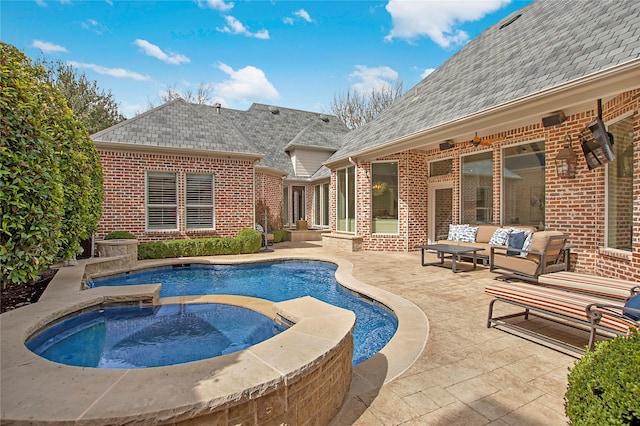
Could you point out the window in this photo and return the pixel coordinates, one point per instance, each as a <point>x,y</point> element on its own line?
<point>440,167</point>
<point>321,205</point>
<point>199,201</point>
<point>162,201</point>
<point>384,198</point>
<point>523,185</point>
<point>476,188</point>
<point>619,174</point>
<point>346,200</point>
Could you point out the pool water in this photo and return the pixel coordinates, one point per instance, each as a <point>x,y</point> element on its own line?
<point>276,282</point>
<point>139,337</point>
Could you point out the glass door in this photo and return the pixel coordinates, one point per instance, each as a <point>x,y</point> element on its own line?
<point>440,204</point>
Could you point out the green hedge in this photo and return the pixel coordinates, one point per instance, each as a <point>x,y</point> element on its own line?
<point>604,386</point>
<point>119,235</point>
<point>279,236</point>
<point>247,241</point>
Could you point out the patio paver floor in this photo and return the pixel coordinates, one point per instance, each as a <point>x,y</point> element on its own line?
<point>468,374</point>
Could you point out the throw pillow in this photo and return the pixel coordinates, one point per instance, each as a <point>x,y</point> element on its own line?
<point>515,241</point>
<point>632,302</point>
<point>468,234</point>
<point>526,244</point>
<point>499,238</point>
<point>455,232</point>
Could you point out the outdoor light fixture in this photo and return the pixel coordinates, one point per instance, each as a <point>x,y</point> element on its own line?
<point>566,160</point>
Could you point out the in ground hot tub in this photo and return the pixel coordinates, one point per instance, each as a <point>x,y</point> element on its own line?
<point>151,336</point>
<point>303,372</point>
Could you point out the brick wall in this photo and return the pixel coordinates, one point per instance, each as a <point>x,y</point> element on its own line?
<point>576,206</point>
<point>269,192</point>
<point>124,185</point>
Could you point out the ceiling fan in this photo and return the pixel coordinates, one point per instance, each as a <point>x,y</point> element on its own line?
<point>476,141</point>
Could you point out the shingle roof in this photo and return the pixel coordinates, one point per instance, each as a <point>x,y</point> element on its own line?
<point>178,124</point>
<point>551,43</point>
<point>262,129</point>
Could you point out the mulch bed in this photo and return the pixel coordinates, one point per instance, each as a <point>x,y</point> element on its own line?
<point>17,295</point>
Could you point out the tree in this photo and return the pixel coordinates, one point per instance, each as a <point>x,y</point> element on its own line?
<point>355,109</point>
<point>50,173</point>
<point>94,107</point>
<point>201,96</point>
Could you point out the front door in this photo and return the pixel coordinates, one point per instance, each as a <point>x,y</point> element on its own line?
<point>440,210</point>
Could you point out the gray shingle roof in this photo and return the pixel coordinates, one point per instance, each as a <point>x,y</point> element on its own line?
<point>178,124</point>
<point>262,129</point>
<point>551,43</point>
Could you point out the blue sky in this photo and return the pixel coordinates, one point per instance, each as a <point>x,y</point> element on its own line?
<point>295,54</point>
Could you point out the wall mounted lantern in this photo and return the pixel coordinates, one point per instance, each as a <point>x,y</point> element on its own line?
<point>566,160</point>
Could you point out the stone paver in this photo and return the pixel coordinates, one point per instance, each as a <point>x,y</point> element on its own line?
<point>467,374</point>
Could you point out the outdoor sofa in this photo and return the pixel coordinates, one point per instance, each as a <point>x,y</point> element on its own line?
<point>529,255</point>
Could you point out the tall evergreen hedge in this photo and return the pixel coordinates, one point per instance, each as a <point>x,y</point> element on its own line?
<point>50,173</point>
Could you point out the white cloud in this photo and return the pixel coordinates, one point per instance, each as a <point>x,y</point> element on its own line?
<point>245,84</point>
<point>426,72</point>
<point>303,14</point>
<point>236,27</point>
<point>437,20</point>
<point>220,5</point>
<point>156,52</point>
<point>373,79</point>
<point>113,72</point>
<point>93,25</point>
<point>47,47</point>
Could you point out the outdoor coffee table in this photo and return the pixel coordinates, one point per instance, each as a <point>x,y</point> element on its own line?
<point>455,253</point>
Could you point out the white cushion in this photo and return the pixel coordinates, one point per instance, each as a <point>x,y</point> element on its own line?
<point>468,234</point>
<point>499,238</point>
<point>526,245</point>
<point>456,231</point>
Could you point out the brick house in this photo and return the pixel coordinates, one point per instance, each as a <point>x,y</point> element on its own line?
<point>188,171</point>
<point>475,141</point>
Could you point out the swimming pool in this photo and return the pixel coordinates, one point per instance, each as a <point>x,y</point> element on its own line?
<point>274,281</point>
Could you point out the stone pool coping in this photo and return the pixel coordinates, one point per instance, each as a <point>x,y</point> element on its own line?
<point>36,389</point>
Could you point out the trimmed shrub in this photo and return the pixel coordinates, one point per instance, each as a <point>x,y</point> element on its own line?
<point>119,235</point>
<point>250,239</point>
<point>279,236</point>
<point>247,241</point>
<point>604,386</point>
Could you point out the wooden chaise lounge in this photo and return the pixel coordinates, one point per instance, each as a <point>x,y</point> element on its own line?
<point>596,314</point>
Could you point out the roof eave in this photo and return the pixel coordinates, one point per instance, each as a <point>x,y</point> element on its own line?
<point>118,146</point>
<point>270,170</point>
<point>530,108</point>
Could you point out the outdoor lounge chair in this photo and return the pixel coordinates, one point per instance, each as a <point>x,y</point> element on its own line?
<point>547,253</point>
<point>597,315</point>
<point>593,284</point>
